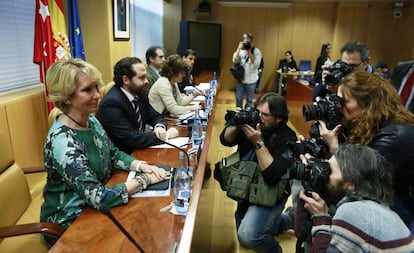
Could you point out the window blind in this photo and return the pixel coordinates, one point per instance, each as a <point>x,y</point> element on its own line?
<point>16,45</point>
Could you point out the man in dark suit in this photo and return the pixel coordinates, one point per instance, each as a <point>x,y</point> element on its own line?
<point>403,79</point>
<point>125,110</point>
<point>155,59</point>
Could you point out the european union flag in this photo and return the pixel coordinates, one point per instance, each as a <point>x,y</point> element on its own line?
<point>75,31</point>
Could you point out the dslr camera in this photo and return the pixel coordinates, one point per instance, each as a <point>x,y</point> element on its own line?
<point>316,147</point>
<point>337,71</point>
<point>245,116</point>
<point>326,109</point>
<point>314,176</point>
<point>247,45</point>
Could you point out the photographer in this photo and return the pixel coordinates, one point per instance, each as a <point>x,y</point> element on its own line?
<point>356,56</point>
<point>363,221</point>
<point>265,144</point>
<point>375,116</point>
<point>249,57</point>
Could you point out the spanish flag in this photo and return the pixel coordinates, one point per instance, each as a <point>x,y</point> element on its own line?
<point>50,40</point>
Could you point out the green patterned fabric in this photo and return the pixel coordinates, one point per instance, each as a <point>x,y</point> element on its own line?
<point>79,164</point>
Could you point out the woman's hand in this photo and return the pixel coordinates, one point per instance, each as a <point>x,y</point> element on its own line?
<point>329,136</point>
<point>157,174</point>
<point>172,132</point>
<point>314,205</point>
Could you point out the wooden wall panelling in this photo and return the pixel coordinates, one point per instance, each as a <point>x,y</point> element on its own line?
<point>270,49</point>
<point>27,120</point>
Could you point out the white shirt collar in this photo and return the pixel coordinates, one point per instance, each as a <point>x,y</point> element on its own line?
<point>129,95</point>
<point>155,69</point>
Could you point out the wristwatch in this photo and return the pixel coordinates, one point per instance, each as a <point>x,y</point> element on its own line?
<point>258,144</point>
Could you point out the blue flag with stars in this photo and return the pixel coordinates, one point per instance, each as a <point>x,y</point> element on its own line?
<point>75,31</point>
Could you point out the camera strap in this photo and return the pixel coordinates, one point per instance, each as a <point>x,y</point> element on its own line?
<point>305,232</point>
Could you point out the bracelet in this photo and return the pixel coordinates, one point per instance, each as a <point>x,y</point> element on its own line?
<point>139,165</point>
<point>159,125</point>
<point>142,182</point>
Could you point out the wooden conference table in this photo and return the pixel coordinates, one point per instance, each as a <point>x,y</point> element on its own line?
<point>291,74</point>
<point>154,231</point>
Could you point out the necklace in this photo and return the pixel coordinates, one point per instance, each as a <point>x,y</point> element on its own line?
<point>77,122</point>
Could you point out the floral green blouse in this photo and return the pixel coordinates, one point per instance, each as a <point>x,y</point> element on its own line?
<point>78,165</point>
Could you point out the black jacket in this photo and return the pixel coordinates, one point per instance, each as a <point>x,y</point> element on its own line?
<point>118,118</point>
<point>276,143</point>
<point>395,142</point>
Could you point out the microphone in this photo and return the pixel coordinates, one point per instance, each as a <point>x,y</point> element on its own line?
<point>103,208</point>
<point>181,149</point>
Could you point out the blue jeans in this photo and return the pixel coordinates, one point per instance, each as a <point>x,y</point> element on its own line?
<point>401,206</point>
<point>254,226</point>
<point>245,88</point>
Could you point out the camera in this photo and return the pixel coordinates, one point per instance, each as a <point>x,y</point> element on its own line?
<point>247,45</point>
<point>314,176</point>
<point>245,116</point>
<point>316,147</point>
<point>326,109</point>
<point>337,71</point>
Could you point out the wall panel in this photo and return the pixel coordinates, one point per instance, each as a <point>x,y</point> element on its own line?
<point>303,27</point>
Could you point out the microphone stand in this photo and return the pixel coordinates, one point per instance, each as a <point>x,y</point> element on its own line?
<point>103,208</point>
<point>181,149</point>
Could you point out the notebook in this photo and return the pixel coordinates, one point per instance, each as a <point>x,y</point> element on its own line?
<point>161,189</point>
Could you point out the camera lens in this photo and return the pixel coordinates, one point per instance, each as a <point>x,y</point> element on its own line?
<point>300,172</point>
<point>311,112</point>
<point>333,78</point>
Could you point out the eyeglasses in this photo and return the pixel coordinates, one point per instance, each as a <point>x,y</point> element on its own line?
<point>264,114</point>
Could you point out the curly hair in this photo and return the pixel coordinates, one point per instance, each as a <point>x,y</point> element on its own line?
<point>379,102</point>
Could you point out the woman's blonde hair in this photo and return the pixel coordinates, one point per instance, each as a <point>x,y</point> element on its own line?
<point>62,80</point>
<point>379,102</point>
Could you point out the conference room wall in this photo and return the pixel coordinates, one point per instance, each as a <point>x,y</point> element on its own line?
<point>101,49</point>
<point>303,27</point>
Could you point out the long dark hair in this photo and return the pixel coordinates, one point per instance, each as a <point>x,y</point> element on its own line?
<point>324,54</point>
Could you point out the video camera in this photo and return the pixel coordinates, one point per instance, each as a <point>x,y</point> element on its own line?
<point>337,71</point>
<point>314,176</point>
<point>245,116</point>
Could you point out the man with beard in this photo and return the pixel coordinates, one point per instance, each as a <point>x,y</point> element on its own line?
<point>125,110</point>
<point>265,143</point>
<point>363,221</point>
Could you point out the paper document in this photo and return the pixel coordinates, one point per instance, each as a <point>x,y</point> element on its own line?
<point>203,86</point>
<point>203,115</point>
<point>199,98</point>
<point>178,141</point>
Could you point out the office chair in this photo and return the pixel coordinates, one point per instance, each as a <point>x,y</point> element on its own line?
<point>305,65</point>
